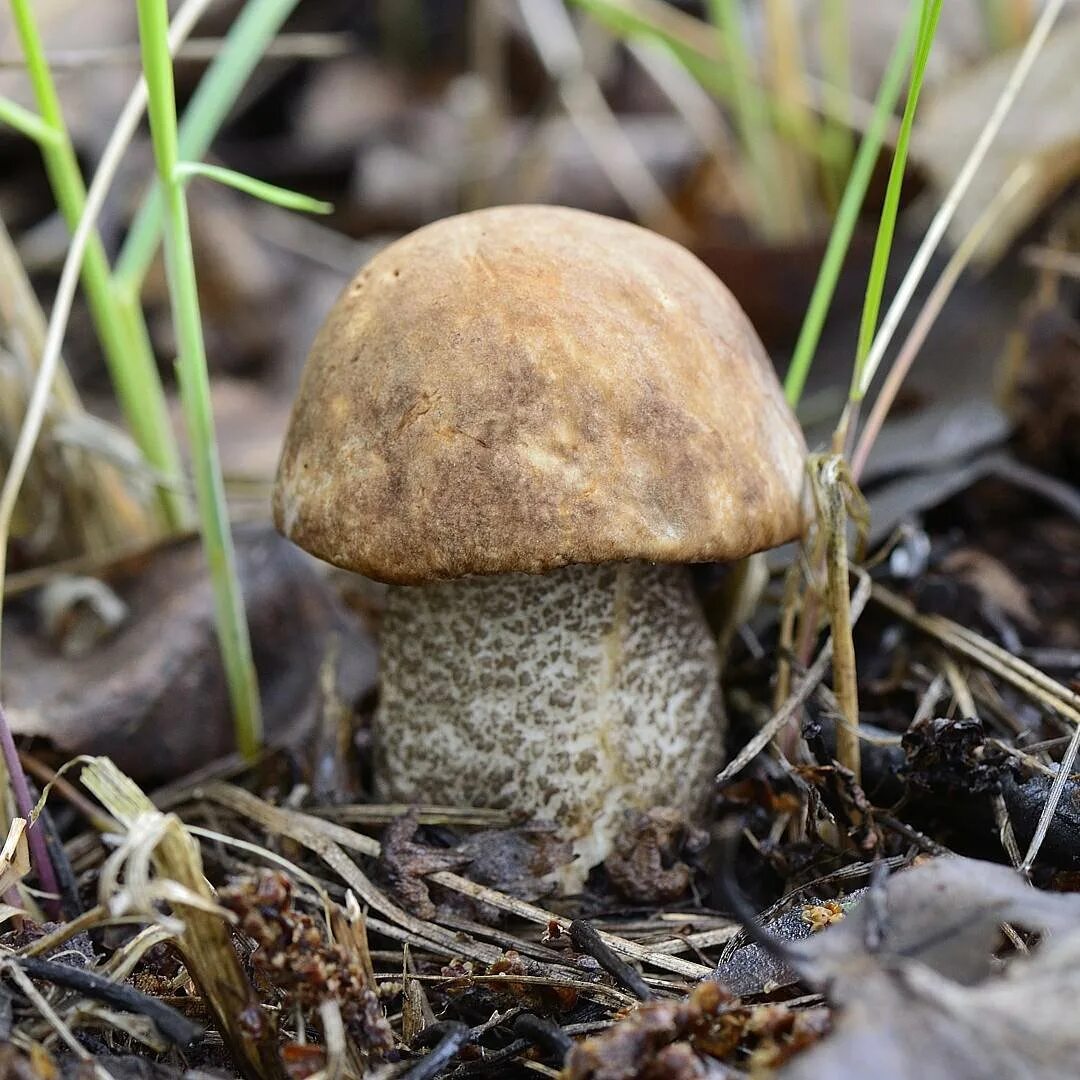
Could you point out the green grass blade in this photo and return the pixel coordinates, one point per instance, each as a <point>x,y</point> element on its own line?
<point>930,10</point>
<point>752,119</point>
<point>131,363</point>
<point>27,123</point>
<point>694,45</point>
<point>259,189</point>
<point>838,143</point>
<point>847,213</point>
<point>245,42</point>
<point>232,629</point>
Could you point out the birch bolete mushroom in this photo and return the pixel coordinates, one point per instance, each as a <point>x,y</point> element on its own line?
<point>528,420</point>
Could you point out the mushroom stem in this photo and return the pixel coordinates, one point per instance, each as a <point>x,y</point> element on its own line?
<point>572,696</point>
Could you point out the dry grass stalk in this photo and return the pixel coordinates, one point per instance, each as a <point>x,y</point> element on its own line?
<point>84,503</point>
<point>781,718</point>
<point>204,940</point>
<point>1016,672</point>
<point>834,492</point>
<point>557,46</point>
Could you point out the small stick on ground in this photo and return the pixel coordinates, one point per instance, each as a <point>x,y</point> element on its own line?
<point>589,941</point>
<point>543,1033</point>
<point>174,1026</point>
<point>457,1035</point>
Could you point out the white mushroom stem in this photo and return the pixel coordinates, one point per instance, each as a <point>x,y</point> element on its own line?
<point>573,696</point>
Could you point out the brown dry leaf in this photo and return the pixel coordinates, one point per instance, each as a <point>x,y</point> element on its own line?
<point>644,864</point>
<point>406,863</point>
<point>153,696</point>
<point>994,582</point>
<point>521,861</point>
<point>915,1024</point>
<point>1042,128</point>
<point>944,914</point>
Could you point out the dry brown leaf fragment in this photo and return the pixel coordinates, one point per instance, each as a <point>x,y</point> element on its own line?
<point>15,856</point>
<point>406,863</point>
<point>522,860</point>
<point>818,916</point>
<point>644,865</point>
<point>133,696</point>
<point>640,1046</point>
<point>913,975</point>
<point>995,583</point>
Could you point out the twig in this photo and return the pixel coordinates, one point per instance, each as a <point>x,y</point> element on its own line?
<point>588,941</point>
<point>543,1033</point>
<point>176,1027</point>
<point>449,1046</point>
<point>68,885</point>
<point>37,999</point>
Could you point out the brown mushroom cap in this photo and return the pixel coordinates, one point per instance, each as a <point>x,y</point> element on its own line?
<point>525,387</point>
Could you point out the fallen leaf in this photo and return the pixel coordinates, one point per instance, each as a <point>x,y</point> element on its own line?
<point>153,696</point>
<point>994,582</point>
<point>913,975</point>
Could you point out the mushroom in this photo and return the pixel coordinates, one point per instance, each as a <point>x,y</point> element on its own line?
<point>528,420</point>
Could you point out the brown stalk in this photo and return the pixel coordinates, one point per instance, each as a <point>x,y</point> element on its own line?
<point>833,491</point>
